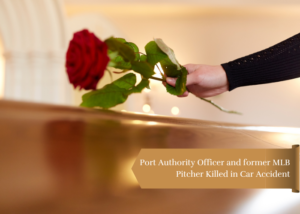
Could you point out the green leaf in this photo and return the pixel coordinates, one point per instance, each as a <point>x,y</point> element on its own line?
<point>169,68</point>
<point>135,49</point>
<point>112,54</point>
<point>107,97</point>
<point>114,93</point>
<point>110,95</point>
<point>117,61</point>
<point>143,58</point>
<point>121,64</point>
<point>124,50</point>
<point>133,46</point>
<point>144,68</point>
<point>127,81</point>
<point>180,86</point>
<point>163,47</point>
<point>154,53</point>
<point>111,64</point>
<point>121,40</point>
<point>143,84</point>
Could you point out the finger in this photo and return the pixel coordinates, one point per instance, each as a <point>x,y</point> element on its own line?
<point>192,79</point>
<point>185,94</point>
<point>191,67</point>
<point>171,81</point>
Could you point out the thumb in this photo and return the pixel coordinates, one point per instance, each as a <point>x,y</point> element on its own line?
<point>191,79</point>
<point>171,81</point>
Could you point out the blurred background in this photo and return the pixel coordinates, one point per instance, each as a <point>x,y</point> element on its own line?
<point>34,36</point>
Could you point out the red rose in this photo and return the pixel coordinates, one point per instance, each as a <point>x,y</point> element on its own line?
<point>86,60</point>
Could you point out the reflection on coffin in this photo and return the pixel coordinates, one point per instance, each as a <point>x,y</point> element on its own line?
<point>56,159</point>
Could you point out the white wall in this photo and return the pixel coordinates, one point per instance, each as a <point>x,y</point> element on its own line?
<point>34,36</point>
<point>190,2</point>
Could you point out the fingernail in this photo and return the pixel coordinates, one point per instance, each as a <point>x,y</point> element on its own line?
<point>170,80</point>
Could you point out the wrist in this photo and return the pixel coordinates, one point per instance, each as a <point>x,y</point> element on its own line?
<point>222,76</point>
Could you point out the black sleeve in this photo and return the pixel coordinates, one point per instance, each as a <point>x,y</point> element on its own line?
<point>277,63</point>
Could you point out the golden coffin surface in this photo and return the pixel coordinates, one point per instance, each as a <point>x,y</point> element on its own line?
<point>56,159</point>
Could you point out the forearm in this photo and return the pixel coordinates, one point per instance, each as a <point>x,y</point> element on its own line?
<point>277,63</point>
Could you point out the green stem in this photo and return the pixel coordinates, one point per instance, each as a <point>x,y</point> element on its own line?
<point>219,107</point>
<point>161,73</point>
<point>156,78</point>
<point>121,72</point>
<point>206,100</point>
<point>110,74</point>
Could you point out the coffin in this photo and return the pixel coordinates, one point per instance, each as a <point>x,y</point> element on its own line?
<point>57,159</point>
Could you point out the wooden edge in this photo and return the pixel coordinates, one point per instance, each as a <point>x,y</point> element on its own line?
<point>297,153</point>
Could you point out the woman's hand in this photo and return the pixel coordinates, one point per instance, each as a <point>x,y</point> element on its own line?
<point>204,80</point>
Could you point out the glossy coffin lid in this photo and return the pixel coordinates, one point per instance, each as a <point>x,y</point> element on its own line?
<point>56,159</point>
